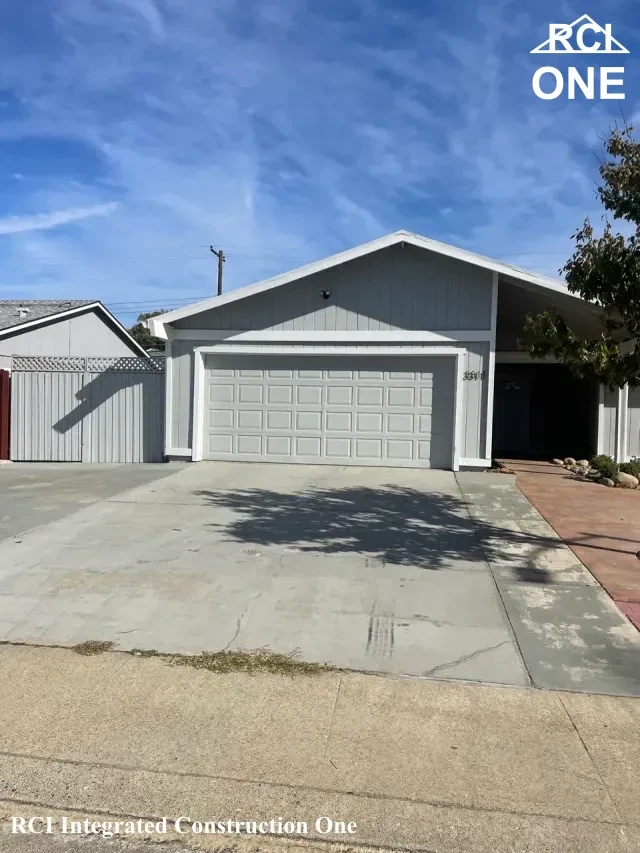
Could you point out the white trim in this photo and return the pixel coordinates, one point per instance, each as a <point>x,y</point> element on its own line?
<point>247,349</point>
<point>71,312</point>
<point>517,357</point>
<point>619,420</point>
<point>475,463</point>
<point>625,425</point>
<point>168,396</point>
<point>199,379</point>
<point>601,411</point>
<point>272,336</point>
<point>622,409</point>
<point>178,451</point>
<point>491,369</point>
<point>157,324</point>
<point>458,408</point>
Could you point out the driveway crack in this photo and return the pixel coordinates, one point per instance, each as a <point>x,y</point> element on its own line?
<point>241,619</point>
<point>465,658</point>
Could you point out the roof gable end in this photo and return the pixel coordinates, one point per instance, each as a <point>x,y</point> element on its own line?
<point>157,324</point>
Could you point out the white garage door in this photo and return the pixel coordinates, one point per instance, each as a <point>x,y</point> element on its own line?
<point>339,410</point>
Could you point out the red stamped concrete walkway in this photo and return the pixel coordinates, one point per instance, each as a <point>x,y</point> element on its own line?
<point>600,525</point>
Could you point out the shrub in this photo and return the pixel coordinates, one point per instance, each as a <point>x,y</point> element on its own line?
<point>606,466</point>
<point>632,467</point>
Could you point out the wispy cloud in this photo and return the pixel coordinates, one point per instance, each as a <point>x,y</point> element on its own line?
<point>45,221</point>
<point>282,131</point>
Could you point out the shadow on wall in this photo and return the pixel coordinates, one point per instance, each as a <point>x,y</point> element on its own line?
<point>128,412</point>
<point>398,525</point>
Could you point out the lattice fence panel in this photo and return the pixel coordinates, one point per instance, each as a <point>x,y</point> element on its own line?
<point>125,365</point>
<point>91,364</point>
<point>48,363</point>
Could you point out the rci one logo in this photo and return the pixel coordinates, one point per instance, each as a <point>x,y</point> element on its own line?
<point>583,36</point>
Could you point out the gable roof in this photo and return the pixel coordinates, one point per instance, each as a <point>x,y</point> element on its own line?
<point>157,324</point>
<point>15,312</point>
<point>18,315</point>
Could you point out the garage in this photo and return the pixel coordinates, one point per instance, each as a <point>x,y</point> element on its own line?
<point>343,410</point>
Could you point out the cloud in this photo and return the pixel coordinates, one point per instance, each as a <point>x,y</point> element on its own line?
<point>45,221</point>
<point>281,132</point>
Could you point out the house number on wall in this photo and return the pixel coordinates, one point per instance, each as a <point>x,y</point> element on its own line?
<point>473,374</point>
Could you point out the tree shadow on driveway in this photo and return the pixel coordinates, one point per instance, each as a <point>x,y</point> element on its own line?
<point>398,525</point>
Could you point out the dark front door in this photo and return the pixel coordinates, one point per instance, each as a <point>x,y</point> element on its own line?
<point>543,411</point>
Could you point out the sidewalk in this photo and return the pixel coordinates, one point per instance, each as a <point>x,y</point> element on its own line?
<point>418,765</point>
<point>601,526</point>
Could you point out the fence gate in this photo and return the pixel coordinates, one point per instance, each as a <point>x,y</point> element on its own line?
<point>87,409</point>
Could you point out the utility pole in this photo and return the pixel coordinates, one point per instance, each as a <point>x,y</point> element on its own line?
<point>221,259</point>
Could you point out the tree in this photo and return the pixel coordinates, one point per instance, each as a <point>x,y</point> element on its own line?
<point>142,335</point>
<point>606,271</point>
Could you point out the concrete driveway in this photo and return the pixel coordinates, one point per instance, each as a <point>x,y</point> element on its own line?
<point>32,494</point>
<point>395,571</point>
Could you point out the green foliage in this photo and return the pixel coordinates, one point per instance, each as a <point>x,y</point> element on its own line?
<point>605,270</point>
<point>632,467</point>
<point>606,466</point>
<point>142,335</point>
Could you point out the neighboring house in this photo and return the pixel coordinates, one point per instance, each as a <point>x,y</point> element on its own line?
<point>62,328</point>
<point>81,389</point>
<point>400,352</point>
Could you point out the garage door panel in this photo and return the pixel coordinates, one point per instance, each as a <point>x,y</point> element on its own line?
<point>369,422</point>
<point>309,395</point>
<point>400,422</point>
<point>279,394</point>
<point>323,410</point>
<point>337,448</point>
<point>220,444</point>
<point>221,393</point>
<point>369,395</point>
<point>400,449</point>
<point>308,447</point>
<point>308,421</point>
<point>251,419</point>
<point>279,420</point>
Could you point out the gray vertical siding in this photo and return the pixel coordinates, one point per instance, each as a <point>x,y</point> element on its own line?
<point>633,423</point>
<point>72,415</point>
<point>475,398</point>
<point>81,335</point>
<point>608,422</point>
<point>393,289</point>
<point>181,367</point>
<point>125,420</point>
<point>475,393</point>
<point>40,401</point>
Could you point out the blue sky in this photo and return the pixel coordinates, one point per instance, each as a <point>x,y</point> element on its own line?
<point>134,133</point>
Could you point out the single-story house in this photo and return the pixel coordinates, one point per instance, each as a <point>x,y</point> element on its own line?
<point>63,328</point>
<point>400,352</point>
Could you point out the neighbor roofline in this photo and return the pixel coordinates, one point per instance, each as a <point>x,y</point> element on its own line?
<point>157,324</point>
<point>70,312</point>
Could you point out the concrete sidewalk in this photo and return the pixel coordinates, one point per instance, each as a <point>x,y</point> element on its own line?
<point>419,765</point>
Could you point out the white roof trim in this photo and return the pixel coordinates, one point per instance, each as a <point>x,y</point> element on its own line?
<point>70,312</point>
<point>157,324</point>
